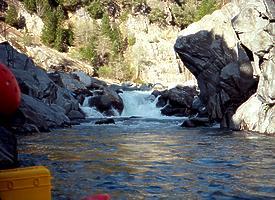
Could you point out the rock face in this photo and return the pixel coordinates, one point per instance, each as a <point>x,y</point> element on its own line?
<point>231,54</point>
<point>152,54</point>
<point>52,60</point>
<point>44,104</point>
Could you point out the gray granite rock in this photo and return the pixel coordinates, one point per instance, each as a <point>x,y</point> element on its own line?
<point>231,54</point>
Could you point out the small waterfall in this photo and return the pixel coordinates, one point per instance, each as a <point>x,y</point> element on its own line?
<point>136,103</point>
<point>140,103</point>
<point>90,112</point>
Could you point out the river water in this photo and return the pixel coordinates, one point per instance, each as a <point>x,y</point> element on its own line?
<point>153,158</point>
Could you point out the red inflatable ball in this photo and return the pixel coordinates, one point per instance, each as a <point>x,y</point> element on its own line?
<point>98,197</point>
<point>9,91</point>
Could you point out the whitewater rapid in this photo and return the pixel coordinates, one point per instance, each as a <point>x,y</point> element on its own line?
<point>136,103</point>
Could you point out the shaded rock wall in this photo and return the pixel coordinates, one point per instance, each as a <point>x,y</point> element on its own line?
<point>44,104</point>
<point>230,52</point>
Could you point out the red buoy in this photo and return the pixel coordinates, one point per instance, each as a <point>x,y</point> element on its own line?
<point>9,91</point>
<point>98,197</point>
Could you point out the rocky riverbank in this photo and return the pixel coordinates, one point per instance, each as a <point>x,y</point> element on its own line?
<point>48,100</point>
<point>52,99</point>
<point>231,54</point>
<point>233,62</point>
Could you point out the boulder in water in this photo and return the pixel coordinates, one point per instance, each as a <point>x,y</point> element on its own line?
<point>76,115</point>
<point>178,100</point>
<point>106,102</point>
<point>196,122</point>
<point>178,112</point>
<point>105,121</point>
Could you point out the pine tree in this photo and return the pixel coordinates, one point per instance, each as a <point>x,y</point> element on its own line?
<point>106,26</point>
<point>96,10</point>
<point>12,16</point>
<point>59,43</point>
<point>50,28</point>
<point>30,5</point>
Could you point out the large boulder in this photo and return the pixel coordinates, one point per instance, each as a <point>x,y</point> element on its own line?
<point>229,52</point>
<point>107,101</point>
<point>257,35</point>
<point>43,116</point>
<point>67,81</point>
<point>254,115</point>
<point>44,103</point>
<point>176,101</point>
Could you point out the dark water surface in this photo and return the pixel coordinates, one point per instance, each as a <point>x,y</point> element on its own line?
<point>154,159</point>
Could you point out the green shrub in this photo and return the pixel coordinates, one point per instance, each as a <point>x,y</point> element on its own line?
<point>27,39</point>
<point>117,40</point>
<point>59,14</point>
<point>12,16</point>
<point>119,70</point>
<point>106,26</point>
<point>124,15</point>
<point>30,5</point>
<point>96,10</point>
<point>88,52</point>
<point>157,16</point>
<point>131,40</point>
<point>206,7</point>
<point>69,36</point>
<point>60,39</point>
<point>105,72</point>
<point>128,73</point>
<point>183,15</point>
<point>42,8</point>
<point>68,3</point>
<point>113,33</point>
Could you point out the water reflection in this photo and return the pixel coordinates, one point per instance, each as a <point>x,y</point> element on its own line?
<point>156,160</point>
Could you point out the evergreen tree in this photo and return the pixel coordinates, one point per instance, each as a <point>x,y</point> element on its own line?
<point>106,26</point>
<point>12,16</point>
<point>116,39</point>
<point>30,5</point>
<point>96,10</point>
<point>50,28</point>
<point>59,43</point>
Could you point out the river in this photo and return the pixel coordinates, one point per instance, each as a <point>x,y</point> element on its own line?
<point>153,158</point>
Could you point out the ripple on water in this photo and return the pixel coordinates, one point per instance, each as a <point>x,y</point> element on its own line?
<point>139,159</point>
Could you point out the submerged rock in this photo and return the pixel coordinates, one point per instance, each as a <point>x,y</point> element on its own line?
<point>105,121</point>
<point>229,52</point>
<point>196,122</point>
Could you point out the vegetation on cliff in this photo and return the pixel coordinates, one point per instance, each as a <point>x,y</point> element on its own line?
<point>103,44</point>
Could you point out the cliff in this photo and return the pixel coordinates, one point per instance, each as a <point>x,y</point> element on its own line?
<point>143,43</point>
<point>231,54</point>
